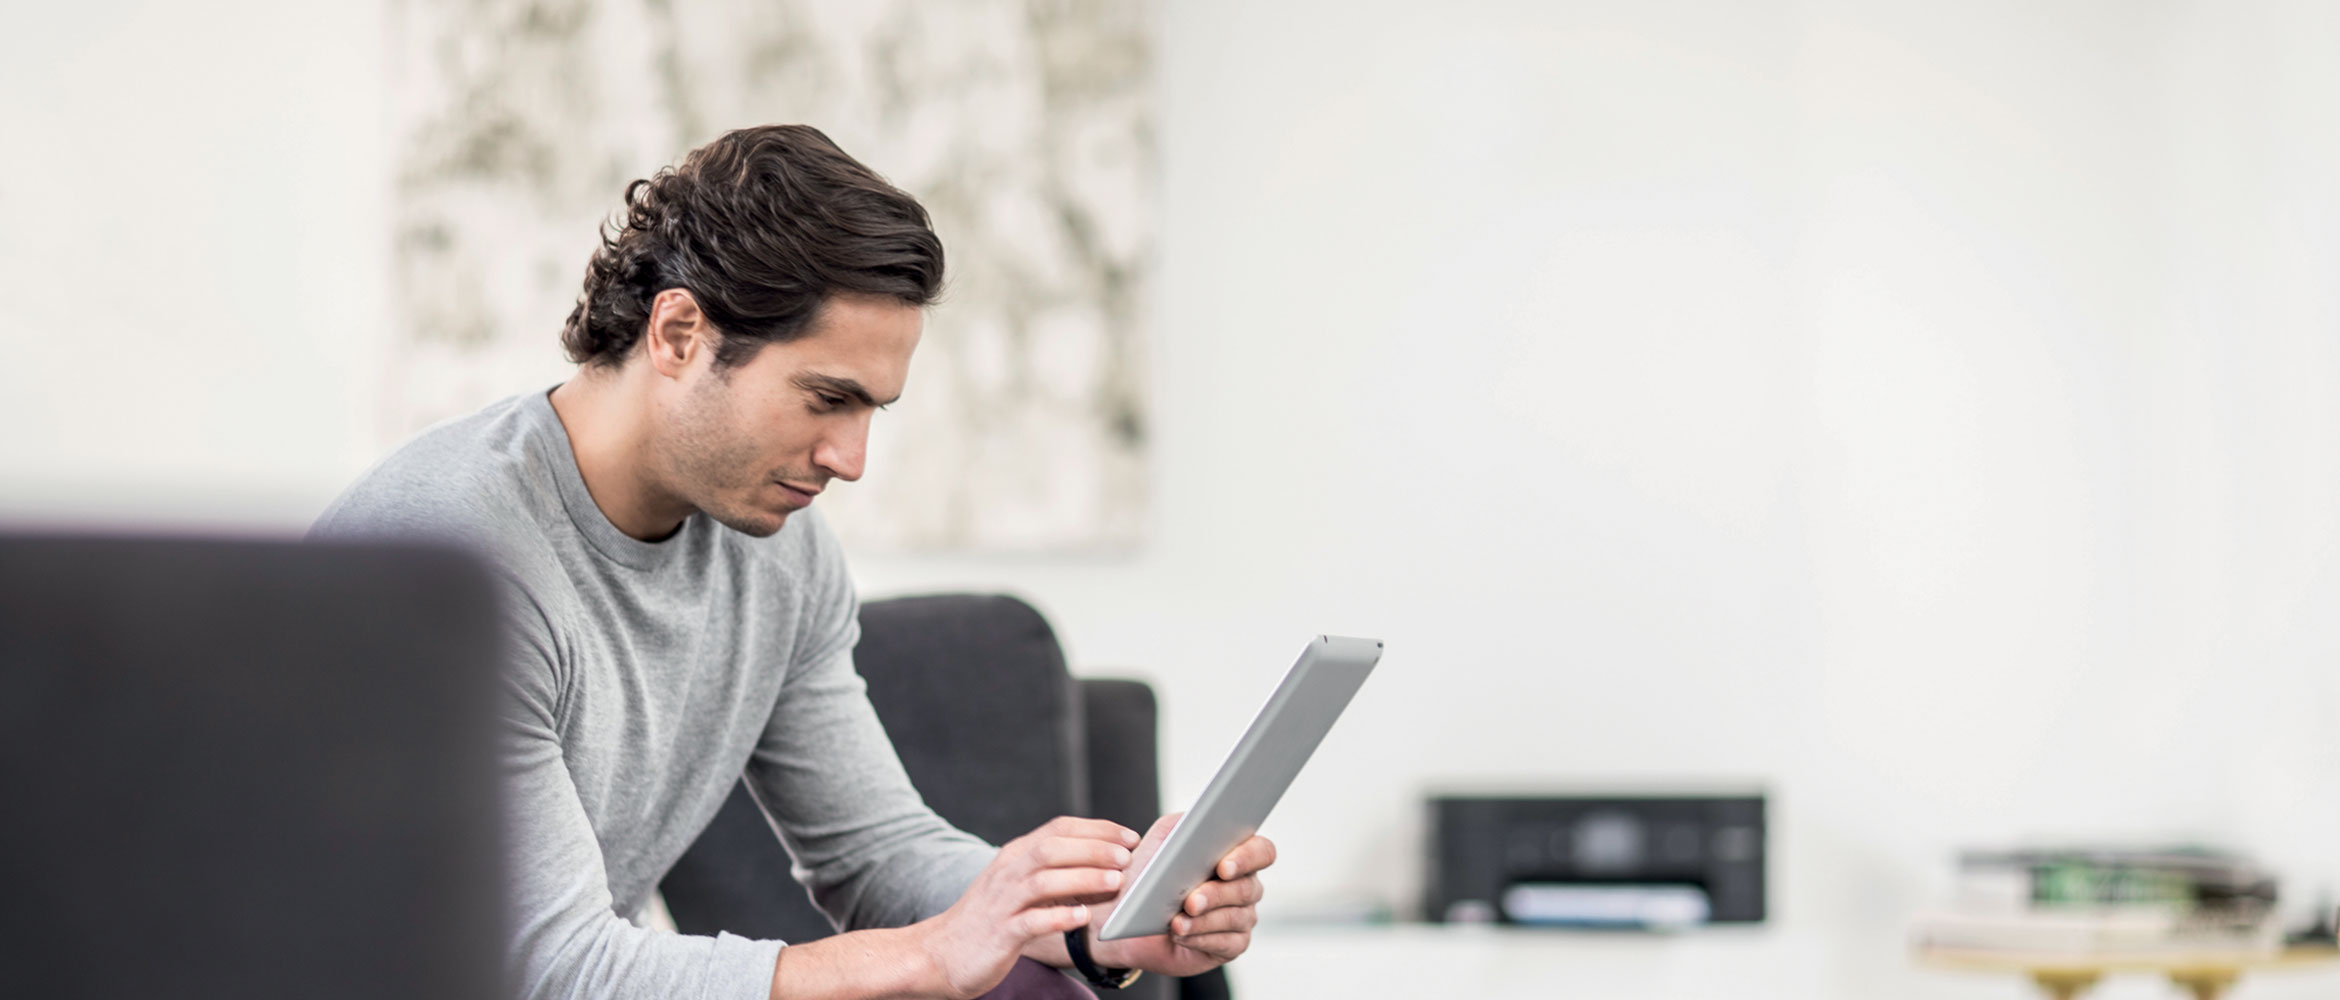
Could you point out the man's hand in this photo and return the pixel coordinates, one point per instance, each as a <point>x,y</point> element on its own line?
<point>1211,928</point>
<point>1036,889</point>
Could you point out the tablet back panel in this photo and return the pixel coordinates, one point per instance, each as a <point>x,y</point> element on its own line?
<point>1256,773</point>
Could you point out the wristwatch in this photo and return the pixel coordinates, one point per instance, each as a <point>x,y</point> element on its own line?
<point>1076,944</point>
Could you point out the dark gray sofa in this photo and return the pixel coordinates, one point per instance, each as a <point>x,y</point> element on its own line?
<point>993,730</point>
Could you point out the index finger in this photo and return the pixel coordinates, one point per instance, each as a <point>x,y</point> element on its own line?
<point>1091,829</point>
<point>1248,857</point>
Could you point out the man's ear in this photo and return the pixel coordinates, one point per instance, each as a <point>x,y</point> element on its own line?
<point>677,332</point>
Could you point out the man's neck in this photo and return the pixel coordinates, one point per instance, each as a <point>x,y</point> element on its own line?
<point>604,417</point>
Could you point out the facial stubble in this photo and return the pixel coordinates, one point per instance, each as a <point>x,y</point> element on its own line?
<point>714,464</point>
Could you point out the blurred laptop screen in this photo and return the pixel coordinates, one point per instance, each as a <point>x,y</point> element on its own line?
<point>246,769</point>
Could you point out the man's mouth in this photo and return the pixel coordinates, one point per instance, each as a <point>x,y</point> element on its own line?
<point>800,496</point>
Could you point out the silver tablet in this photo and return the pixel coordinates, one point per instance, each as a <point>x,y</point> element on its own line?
<point>1256,772</point>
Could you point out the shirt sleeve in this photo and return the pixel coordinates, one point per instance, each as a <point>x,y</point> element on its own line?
<point>862,839</point>
<point>567,939</point>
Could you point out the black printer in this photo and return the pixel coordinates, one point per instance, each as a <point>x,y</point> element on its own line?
<point>1633,862</point>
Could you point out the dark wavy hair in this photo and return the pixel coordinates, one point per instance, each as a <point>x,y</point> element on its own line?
<point>761,226</point>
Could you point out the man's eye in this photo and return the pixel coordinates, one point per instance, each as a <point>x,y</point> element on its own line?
<point>829,402</point>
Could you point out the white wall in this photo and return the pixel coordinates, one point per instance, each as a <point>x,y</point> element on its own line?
<point>194,263</point>
<point>1925,410</point>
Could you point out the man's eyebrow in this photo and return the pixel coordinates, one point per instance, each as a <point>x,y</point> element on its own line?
<point>816,382</point>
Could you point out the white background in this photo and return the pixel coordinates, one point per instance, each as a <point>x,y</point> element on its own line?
<point>1930,412</point>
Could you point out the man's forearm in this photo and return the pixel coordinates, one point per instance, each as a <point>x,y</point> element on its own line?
<point>859,965</point>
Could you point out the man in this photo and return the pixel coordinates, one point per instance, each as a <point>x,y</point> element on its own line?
<point>681,616</point>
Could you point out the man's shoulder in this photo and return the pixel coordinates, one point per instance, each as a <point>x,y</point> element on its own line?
<point>478,480</point>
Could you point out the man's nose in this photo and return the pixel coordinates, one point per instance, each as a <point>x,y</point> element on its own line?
<point>842,453</point>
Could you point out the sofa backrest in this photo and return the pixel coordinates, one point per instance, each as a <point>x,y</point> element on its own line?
<point>974,691</point>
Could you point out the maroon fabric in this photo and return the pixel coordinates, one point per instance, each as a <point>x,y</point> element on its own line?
<point>1030,980</point>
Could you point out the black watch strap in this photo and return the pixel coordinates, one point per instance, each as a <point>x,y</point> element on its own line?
<point>1076,944</point>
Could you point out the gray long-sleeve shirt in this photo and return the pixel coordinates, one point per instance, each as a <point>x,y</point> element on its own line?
<point>646,678</point>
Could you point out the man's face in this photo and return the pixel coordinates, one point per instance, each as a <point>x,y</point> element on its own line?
<point>752,444</point>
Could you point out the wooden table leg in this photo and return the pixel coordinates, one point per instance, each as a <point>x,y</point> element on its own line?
<point>2207,985</point>
<point>2060,985</point>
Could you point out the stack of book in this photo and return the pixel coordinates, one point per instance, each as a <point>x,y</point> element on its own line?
<point>2092,900</point>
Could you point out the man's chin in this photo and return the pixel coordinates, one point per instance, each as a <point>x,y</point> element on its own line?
<point>754,524</point>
